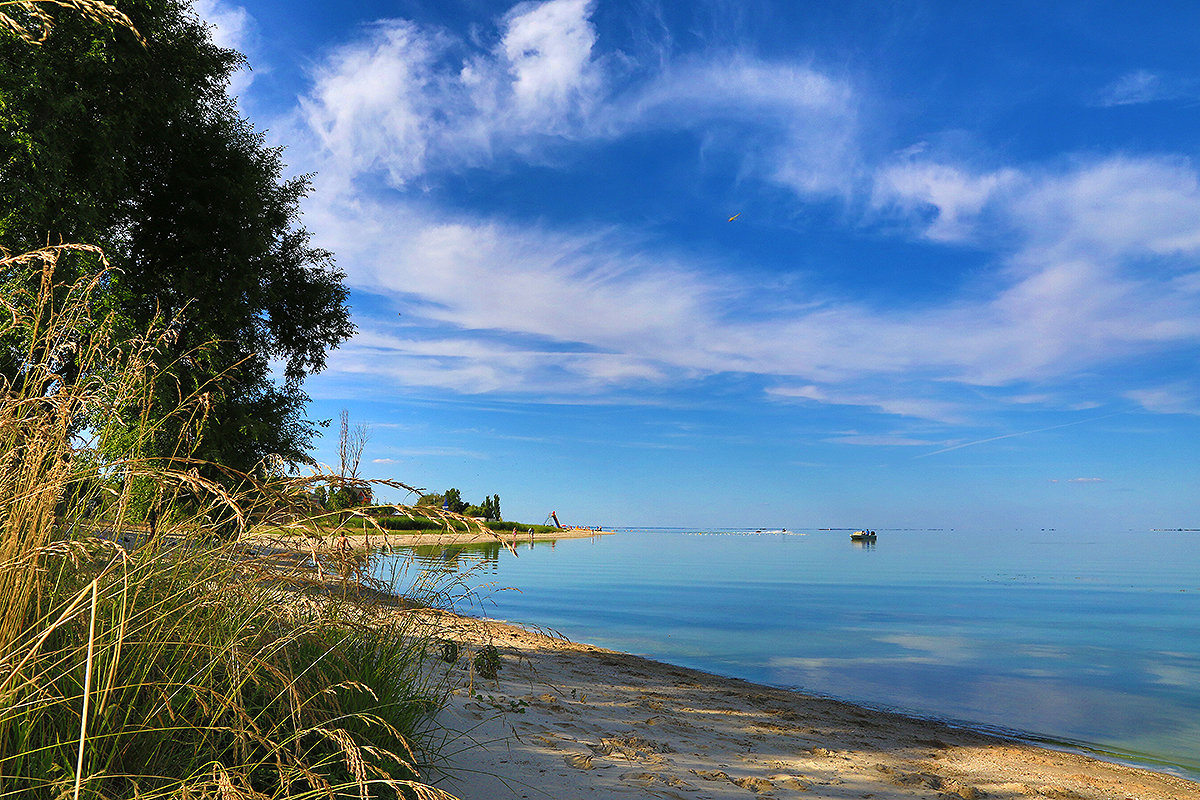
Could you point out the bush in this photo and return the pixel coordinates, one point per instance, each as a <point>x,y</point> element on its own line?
<point>487,662</point>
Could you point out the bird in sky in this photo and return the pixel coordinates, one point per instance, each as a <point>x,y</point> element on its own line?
<point>735,216</point>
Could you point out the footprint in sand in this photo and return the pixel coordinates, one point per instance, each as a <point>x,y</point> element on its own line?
<point>752,783</point>
<point>578,761</point>
<point>948,787</point>
<point>633,748</point>
<point>756,785</point>
<point>710,774</point>
<point>646,779</point>
<point>791,782</point>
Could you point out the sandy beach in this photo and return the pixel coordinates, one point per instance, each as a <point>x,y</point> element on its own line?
<point>566,720</point>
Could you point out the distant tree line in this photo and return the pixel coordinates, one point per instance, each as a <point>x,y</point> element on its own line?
<point>340,499</point>
<point>451,500</point>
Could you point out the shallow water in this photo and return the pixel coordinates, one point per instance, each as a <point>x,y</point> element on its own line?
<point>1086,639</point>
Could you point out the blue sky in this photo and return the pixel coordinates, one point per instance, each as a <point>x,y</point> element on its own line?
<point>960,285</point>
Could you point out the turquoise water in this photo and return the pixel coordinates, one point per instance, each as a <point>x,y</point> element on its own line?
<point>1086,639</point>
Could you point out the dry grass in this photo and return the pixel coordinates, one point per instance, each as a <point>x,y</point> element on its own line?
<point>187,666</point>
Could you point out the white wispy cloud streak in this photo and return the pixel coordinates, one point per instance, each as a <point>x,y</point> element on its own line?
<point>1143,86</point>
<point>584,309</point>
<point>1016,434</point>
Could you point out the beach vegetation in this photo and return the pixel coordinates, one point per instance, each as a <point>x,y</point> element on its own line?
<point>146,650</point>
<point>487,662</point>
<point>175,661</point>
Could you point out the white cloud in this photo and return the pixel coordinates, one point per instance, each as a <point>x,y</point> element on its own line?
<point>1113,208</point>
<point>1095,261</point>
<point>405,101</point>
<point>792,123</point>
<point>1100,263</point>
<point>920,408</point>
<point>591,311</point>
<point>1138,87</point>
<point>882,441</point>
<point>954,196</point>
<point>411,102</point>
<point>1177,398</point>
<point>548,50</point>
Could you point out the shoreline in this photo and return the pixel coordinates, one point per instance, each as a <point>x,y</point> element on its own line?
<point>373,540</point>
<point>569,720</point>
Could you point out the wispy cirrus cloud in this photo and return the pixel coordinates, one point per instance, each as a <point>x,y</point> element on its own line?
<point>411,101</point>
<point>1143,86</point>
<point>949,196</point>
<point>867,440</point>
<point>1093,262</point>
<point>1174,398</point>
<point>407,99</point>
<point>917,407</point>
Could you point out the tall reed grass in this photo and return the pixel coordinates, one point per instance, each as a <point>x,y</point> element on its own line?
<point>188,665</point>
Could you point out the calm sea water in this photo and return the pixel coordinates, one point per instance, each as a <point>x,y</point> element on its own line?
<point>1090,640</point>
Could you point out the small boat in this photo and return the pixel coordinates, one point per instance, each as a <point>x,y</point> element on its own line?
<point>863,536</point>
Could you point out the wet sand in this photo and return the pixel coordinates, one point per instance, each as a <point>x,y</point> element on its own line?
<point>566,720</point>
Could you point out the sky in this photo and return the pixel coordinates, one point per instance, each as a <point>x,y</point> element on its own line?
<point>787,264</point>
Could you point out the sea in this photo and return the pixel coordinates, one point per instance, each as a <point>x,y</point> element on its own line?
<point>1086,640</point>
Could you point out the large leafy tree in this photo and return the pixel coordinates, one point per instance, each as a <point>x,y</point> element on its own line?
<point>134,145</point>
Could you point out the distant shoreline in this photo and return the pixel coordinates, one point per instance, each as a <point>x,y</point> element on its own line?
<point>372,539</point>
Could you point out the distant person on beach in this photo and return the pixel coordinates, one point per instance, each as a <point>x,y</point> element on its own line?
<point>342,544</point>
<point>152,521</point>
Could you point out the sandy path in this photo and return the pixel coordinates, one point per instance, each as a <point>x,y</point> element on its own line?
<point>569,721</point>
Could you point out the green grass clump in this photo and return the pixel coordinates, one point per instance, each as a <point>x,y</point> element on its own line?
<point>487,662</point>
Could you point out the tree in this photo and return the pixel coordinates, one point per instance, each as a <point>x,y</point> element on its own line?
<point>429,501</point>
<point>351,442</point>
<point>137,148</point>
<point>453,502</point>
<point>491,507</point>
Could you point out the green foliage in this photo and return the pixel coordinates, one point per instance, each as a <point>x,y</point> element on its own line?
<point>487,661</point>
<point>491,508</point>
<point>453,502</point>
<point>342,499</point>
<point>451,499</point>
<point>137,148</point>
